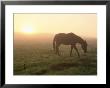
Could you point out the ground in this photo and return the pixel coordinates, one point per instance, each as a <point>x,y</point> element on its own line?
<point>40,59</point>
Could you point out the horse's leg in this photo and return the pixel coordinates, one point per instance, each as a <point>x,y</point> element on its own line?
<point>57,49</point>
<point>76,50</point>
<point>71,50</point>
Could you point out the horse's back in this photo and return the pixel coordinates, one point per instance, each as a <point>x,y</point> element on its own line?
<point>60,35</point>
<point>65,38</point>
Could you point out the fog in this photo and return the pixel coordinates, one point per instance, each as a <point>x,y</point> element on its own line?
<point>44,38</point>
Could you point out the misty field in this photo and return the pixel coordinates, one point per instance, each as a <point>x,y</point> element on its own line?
<point>32,57</point>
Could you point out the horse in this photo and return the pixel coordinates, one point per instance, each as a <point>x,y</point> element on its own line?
<point>68,39</point>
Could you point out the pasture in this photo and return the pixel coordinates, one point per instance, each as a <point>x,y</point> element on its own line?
<point>32,57</point>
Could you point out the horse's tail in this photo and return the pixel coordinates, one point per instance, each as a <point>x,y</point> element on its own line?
<point>54,43</point>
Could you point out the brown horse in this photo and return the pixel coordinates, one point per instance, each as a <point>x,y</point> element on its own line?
<point>68,39</point>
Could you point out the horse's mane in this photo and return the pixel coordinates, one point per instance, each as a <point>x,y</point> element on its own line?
<point>73,35</point>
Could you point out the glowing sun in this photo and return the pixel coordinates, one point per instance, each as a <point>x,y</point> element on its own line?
<point>28,30</point>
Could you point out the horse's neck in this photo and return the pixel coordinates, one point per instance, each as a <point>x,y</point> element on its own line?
<point>80,40</point>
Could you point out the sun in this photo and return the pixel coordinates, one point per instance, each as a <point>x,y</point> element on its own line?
<point>28,30</point>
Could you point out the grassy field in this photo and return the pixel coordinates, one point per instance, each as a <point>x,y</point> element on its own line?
<point>38,58</point>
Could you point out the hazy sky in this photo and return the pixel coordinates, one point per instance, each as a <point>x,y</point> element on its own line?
<point>80,24</point>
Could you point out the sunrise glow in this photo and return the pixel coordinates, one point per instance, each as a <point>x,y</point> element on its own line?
<point>80,24</point>
<point>28,30</point>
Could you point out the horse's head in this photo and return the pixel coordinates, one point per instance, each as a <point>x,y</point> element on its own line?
<point>84,46</point>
